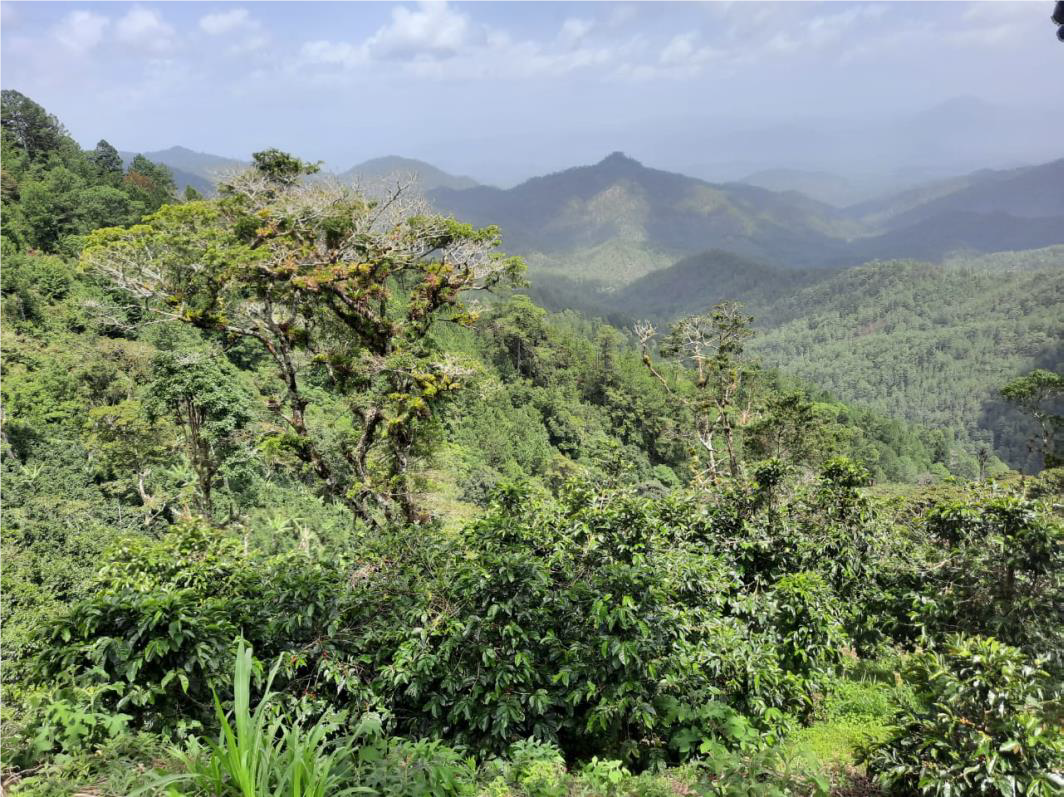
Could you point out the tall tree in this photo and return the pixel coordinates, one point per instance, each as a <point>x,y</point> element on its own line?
<point>1040,394</point>
<point>150,183</point>
<point>713,346</point>
<point>107,162</point>
<point>32,128</point>
<point>200,392</point>
<point>51,207</point>
<point>334,286</point>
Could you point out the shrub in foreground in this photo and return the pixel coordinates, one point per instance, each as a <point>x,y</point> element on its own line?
<point>989,725</point>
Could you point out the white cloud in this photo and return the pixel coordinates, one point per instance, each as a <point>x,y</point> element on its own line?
<point>246,33</point>
<point>684,50</point>
<point>225,21</point>
<point>622,14</point>
<point>1004,11</point>
<point>433,30</point>
<point>996,24</point>
<point>145,29</point>
<point>80,31</point>
<point>745,22</point>
<point>574,30</point>
<point>333,54</point>
<point>829,28</point>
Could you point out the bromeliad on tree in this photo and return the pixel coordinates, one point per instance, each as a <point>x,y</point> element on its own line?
<point>331,282</point>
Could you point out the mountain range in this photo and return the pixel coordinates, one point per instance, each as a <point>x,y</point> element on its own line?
<point>617,220</point>
<point>571,213</point>
<point>563,221</point>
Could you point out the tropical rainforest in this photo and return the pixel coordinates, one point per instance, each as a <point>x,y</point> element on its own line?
<point>313,488</point>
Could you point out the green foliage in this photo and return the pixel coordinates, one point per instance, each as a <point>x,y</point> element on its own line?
<point>203,395</point>
<point>54,192</point>
<point>533,595</point>
<point>333,286</point>
<point>260,753</point>
<point>808,619</point>
<point>997,572</point>
<point>35,131</point>
<point>61,720</point>
<point>988,725</point>
<point>901,338</point>
<point>1040,394</point>
<point>163,615</point>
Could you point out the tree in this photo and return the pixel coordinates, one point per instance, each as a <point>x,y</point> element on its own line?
<point>335,287</point>
<point>518,327</point>
<point>31,127</point>
<point>104,206</point>
<point>8,187</point>
<point>150,183</point>
<point>711,344</point>
<point>1040,394</point>
<point>51,207</point>
<point>199,390</point>
<point>107,162</point>
<point>126,439</point>
<point>786,430</point>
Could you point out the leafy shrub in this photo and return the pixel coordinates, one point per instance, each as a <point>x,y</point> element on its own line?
<point>65,720</point>
<point>767,772</point>
<point>808,619</point>
<point>997,572</point>
<point>413,768</point>
<point>165,614</point>
<point>590,623</point>
<point>989,725</point>
<point>533,768</point>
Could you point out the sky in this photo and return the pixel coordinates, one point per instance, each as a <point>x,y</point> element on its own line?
<point>505,90</point>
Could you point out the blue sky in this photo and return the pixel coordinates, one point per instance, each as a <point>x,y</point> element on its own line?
<point>510,89</point>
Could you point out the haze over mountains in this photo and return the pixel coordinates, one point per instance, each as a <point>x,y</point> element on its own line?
<point>428,176</point>
<point>576,222</point>
<point>618,220</point>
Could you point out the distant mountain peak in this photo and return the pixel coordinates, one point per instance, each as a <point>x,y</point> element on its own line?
<point>618,158</point>
<point>429,177</point>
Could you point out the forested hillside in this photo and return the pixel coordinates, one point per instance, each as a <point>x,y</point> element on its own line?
<point>930,344</point>
<point>618,220</point>
<point>303,495</point>
<point>1028,192</point>
<point>53,192</point>
<point>566,217</point>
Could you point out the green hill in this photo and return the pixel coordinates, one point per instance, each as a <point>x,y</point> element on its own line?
<point>930,344</point>
<point>618,220</point>
<point>428,176</point>
<point>202,164</point>
<point>1027,192</point>
<point>619,200</point>
<point>701,281</point>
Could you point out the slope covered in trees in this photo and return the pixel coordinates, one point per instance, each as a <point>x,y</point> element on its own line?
<point>931,344</point>
<point>53,192</point>
<point>565,216</point>
<point>618,220</point>
<point>475,549</point>
<point>1031,191</point>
